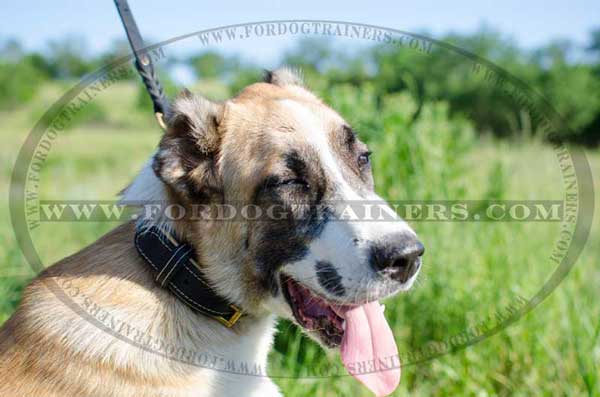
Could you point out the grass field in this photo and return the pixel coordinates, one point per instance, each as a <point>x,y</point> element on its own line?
<point>471,270</point>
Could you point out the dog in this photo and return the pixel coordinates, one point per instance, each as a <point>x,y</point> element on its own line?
<point>275,143</point>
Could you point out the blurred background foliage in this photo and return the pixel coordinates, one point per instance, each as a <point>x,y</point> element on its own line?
<point>566,74</point>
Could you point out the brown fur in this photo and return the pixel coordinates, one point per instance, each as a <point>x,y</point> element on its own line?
<point>211,153</point>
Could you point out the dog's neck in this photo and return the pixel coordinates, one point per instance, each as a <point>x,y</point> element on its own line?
<point>222,271</point>
<point>121,320</point>
<point>141,330</point>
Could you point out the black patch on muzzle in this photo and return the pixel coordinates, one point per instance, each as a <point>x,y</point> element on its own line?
<point>329,278</point>
<point>287,240</point>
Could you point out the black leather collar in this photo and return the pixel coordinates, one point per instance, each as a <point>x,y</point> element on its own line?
<point>175,268</point>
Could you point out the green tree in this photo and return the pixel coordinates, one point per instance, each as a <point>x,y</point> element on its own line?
<point>68,58</point>
<point>213,65</point>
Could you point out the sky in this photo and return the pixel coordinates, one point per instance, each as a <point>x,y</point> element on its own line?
<point>530,23</point>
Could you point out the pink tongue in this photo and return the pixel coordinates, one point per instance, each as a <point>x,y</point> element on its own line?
<point>368,349</point>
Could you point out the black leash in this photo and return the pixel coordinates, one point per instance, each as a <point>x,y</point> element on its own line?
<point>143,62</point>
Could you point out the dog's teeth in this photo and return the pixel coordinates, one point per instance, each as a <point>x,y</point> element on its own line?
<point>344,325</point>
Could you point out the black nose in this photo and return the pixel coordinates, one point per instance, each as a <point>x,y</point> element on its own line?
<point>398,256</point>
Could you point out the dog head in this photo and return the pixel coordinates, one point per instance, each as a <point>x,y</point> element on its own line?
<point>279,150</point>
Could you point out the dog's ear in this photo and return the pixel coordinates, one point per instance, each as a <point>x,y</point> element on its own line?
<point>186,156</point>
<point>284,76</point>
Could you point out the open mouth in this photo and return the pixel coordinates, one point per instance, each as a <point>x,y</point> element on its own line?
<point>361,332</point>
<point>314,313</point>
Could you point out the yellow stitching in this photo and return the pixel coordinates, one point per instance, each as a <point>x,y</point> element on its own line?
<point>194,302</point>
<point>175,265</point>
<point>191,301</point>
<point>196,277</point>
<point>167,265</point>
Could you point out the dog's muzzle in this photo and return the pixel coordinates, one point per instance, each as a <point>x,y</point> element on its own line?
<point>397,256</point>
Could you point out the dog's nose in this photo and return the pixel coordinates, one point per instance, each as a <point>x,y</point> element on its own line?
<point>398,257</point>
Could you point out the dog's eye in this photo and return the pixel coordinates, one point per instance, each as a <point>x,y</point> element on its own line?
<point>364,159</point>
<point>293,182</point>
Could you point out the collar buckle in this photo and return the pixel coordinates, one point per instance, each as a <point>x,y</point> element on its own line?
<point>230,322</point>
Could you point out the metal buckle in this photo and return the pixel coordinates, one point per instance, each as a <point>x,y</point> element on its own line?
<point>230,322</point>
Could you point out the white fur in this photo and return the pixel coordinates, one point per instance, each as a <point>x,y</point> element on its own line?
<point>145,187</point>
<point>336,244</point>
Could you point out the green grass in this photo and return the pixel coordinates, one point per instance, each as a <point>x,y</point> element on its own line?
<point>470,270</point>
